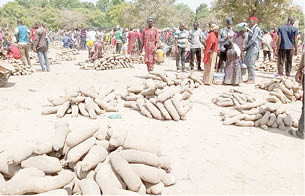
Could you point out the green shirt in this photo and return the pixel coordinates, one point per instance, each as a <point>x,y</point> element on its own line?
<point>118,36</point>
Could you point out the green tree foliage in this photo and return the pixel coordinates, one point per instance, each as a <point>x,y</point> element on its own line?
<point>270,13</point>
<point>103,5</point>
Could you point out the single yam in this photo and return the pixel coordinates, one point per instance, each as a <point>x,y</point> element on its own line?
<point>20,153</point>
<point>135,89</point>
<point>90,107</point>
<point>80,174</point>
<point>253,117</point>
<point>171,110</point>
<point>288,120</point>
<point>147,173</point>
<point>63,109</point>
<point>125,171</point>
<point>81,133</point>
<point>96,155</point>
<point>179,108</point>
<point>89,187</point>
<point>133,97</point>
<point>97,109</point>
<point>225,103</point>
<point>230,121</point>
<point>104,105</point>
<point>265,118</point>
<point>271,120</point>
<point>141,143</point>
<point>47,164</point>
<point>275,125</point>
<point>74,110</point>
<point>78,99</point>
<point>167,178</point>
<point>132,105</point>
<point>33,183</point>
<point>80,150</point>
<point>155,189</point>
<point>49,110</point>
<point>280,119</point>
<point>264,127</point>
<point>143,109</point>
<point>138,156</point>
<point>164,112</point>
<point>82,109</point>
<point>43,147</point>
<point>244,123</point>
<point>153,110</point>
<point>273,99</point>
<point>271,107</point>
<point>166,94</point>
<point>103,143</point>
<point>248,106</point>
<point>285,90</point>
<point>108,180</point>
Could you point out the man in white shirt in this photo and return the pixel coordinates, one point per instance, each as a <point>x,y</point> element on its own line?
<point>195,39</point>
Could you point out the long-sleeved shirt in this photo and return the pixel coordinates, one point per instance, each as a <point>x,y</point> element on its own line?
<point>211,46</point>
<point>253,40</point>
<point>223,36</point>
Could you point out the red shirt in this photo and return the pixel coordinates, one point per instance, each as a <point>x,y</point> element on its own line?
<point>15,51</point>
<point>211,46</point>
<point>33,34</point>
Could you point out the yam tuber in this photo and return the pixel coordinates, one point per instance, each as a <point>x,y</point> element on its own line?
<point>163,111</point>
<point>49,110</point>
<point>63,109</point>
<point>147,173</point>
<point>153,110</point>
<point>104,105</point>
<point>80,150</point>
<point>138,156</point>
<point>90,107</point>
<point>171,110</point>
<point>81,133</point>
<point>96,155</point>
<point>125,171</point>
<point>74,110</point>
<point>89,187</point>
<point>47,164</point>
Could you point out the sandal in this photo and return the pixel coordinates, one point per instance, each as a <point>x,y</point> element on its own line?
<point>296,133</point>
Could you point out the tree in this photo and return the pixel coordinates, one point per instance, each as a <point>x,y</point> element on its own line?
<point>186,15</point>
<point>33,3</point>
<point>269,12</point>
<point>103,5</point>
<point>63,4</point>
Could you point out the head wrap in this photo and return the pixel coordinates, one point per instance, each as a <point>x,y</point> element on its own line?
<point>214,27</point>
<point>253,18</point>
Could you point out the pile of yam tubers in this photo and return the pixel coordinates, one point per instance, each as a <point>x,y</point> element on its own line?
<point>259,114</point>
<point>19,69</point>
<point>267,67</point>
<point>91,159</point>
<point>283,89</point>
<point>85,101</point>
<point>233,98</point>
<point>113,61</point>
<point>162,97</point>
<point>67,55</point>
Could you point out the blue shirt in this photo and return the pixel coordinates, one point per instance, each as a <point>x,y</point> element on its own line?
<point>22,32</point>
<point>288,34</point>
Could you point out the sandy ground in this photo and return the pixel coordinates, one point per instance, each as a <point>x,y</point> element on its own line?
<point>207,157</point>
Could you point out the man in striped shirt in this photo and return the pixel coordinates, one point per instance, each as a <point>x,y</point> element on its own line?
<point>181,42</point>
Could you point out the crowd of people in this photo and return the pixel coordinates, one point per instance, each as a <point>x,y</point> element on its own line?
<point>230,51</point>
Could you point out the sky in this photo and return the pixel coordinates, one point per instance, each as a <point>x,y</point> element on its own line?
<point>192,3</point>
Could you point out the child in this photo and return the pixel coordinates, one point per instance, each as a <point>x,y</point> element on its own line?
<point>160,55</point>
<point>267,45</point>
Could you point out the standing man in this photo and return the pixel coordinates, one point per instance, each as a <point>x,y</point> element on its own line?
<point>83,37</point>
<point>287,42</point>
<point>226,34</point>
<point>40,46</point>
<point>119,41</point>
<point>22,37</point>
<point>195,39</point>
<point>150,41</point>
<point>252,49</point>
<point>181,41</point>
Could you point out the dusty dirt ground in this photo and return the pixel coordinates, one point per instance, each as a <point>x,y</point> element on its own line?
<point>207,157</point>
